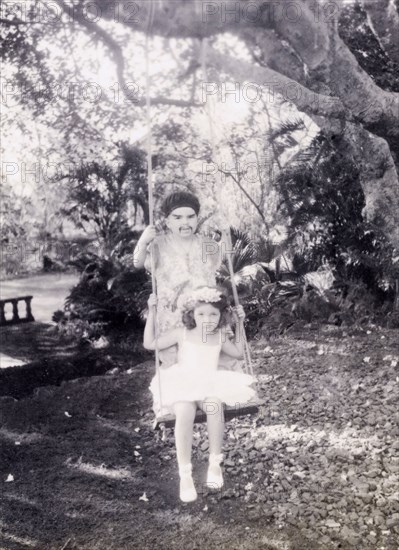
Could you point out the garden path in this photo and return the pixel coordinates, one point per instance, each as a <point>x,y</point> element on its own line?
<point>48,290</point>
<point>25,342</point>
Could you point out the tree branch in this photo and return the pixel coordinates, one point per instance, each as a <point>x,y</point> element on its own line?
<point>339,70</point>
<point>307,34</point>
<point>117,55</point>
<point>251,200</point>
<point>14,22</point>
<point>384,21</point>
<point>270,82</point>
<point>160,100</point>
<point>106,38</point>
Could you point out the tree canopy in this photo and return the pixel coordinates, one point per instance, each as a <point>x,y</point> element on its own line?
<point>336,62</point>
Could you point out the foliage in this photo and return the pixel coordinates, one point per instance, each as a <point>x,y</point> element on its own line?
<point>249,260</point>
<point>274,303</point>
<point>109,293</point>
<point>98,201</point>
<point>77,329</point>
<point>319,188</point>
<point>274,308</point>
<point>325,207</point>
<point>18,225</point>
<point>355,30</point>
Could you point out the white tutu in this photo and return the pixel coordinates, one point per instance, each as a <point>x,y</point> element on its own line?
<point>196,377</point>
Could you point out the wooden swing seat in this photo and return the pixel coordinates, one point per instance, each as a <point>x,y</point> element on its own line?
<point>251,407</point>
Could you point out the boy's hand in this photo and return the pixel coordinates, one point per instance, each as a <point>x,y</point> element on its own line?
<point>239,313</point>
<point>152,301</point>
<point>148,235</point>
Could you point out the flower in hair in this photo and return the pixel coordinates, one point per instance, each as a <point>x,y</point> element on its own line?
<point>205,294</point>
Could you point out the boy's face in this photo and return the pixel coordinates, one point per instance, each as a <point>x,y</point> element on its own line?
<point>182,221</point>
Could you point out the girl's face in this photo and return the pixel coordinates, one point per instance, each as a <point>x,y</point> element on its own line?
<point>182,222</point>
<point>206,317</point>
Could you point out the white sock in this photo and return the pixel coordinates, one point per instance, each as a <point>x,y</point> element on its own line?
<point>187,487</point>
<point>215,475</point>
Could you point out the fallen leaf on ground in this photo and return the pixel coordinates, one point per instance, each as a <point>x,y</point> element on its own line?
<point>101,343</point>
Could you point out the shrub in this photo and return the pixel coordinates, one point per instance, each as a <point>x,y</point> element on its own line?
<point>110,294</point>
<point>325,208</point>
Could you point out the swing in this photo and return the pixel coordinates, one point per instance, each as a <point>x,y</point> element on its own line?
<point>228,412</point>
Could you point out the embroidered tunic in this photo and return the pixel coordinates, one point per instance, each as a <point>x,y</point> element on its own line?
<point>178,270</point>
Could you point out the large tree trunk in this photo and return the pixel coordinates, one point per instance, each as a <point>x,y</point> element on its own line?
<point>377,172</point>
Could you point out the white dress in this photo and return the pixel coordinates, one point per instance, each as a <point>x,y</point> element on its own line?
<point>196,376</point>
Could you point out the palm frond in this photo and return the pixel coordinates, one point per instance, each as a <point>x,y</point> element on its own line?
<point>286,127</point>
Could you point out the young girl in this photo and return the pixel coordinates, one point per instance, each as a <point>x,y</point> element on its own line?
<point>195,381</point>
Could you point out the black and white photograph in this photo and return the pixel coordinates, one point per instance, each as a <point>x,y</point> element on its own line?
<point>199,266</point>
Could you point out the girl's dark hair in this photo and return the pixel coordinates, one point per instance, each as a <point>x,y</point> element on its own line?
<point>222,305</point>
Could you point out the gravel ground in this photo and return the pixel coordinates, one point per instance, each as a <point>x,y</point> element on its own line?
<point>317,468</point>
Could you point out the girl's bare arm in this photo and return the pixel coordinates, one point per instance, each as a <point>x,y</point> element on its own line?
<point>236,348</point>
<point>167,340</point>
<point>233,349</point>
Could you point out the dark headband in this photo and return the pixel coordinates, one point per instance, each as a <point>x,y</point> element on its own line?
<point>179,199</point>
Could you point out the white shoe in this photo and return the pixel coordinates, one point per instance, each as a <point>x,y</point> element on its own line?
<point>187,488</point>
<point>214,478</point>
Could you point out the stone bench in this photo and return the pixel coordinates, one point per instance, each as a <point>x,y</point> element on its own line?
<point>15,313</point>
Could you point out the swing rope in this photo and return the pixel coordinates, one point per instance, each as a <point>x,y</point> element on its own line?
<point>151,190</point>
<point>226,235</point>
